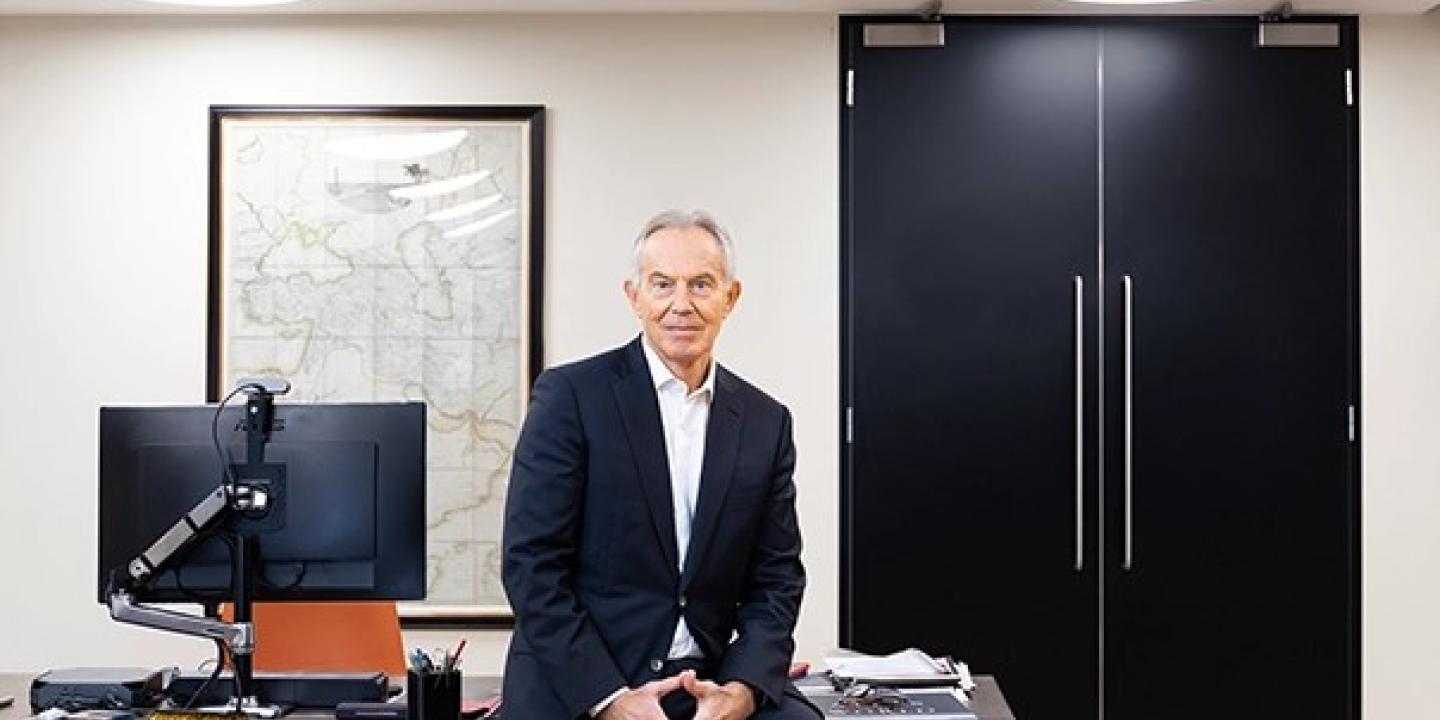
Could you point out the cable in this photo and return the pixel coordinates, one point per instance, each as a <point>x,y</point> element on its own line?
<point>219,663</point>
<point>227,462</point>
<point>235,681</point>
<point>228,466</point>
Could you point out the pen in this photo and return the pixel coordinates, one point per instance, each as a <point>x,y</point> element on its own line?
<point>455,658</point>
<point>419,661</point>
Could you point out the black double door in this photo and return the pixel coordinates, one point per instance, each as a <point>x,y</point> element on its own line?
<point>1099,364</point>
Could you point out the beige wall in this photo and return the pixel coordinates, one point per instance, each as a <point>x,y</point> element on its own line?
<point>1400,317</point>
<point>102,241</point>
<point>103,235</point>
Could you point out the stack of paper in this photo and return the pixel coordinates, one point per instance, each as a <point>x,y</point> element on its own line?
<point>907,666</point>
<point>905,662</point>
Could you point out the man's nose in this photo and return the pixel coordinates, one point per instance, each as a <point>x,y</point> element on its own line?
<point>682,302</point>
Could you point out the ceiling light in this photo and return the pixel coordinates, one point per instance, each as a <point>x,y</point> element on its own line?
<point>439,187</point>
<point>223,3</point>
<point>1133,2</point>
<point>477,226</point>
<point>469,208</point>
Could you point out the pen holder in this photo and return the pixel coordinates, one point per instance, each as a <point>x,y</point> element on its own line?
<point>433,695</point>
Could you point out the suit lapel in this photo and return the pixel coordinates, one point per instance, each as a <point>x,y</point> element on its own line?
<point>640,409</point>
<point>722,446</point>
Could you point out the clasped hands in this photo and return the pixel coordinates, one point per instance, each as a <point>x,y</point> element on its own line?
<point>731,701</point>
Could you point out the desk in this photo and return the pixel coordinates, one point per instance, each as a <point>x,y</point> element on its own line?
<point>989,702</point>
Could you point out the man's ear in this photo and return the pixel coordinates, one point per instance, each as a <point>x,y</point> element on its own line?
<point>732,295</point>
<point>632,294</point>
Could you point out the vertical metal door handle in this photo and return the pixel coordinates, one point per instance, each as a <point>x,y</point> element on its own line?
<point>1079,423</point>
<point>1129,561</point>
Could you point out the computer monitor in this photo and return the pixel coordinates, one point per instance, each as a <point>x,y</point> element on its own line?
<point>347,505</point>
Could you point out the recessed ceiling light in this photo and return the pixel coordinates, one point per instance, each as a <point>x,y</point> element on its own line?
<point>224,3</point>
<point>1133,2</point>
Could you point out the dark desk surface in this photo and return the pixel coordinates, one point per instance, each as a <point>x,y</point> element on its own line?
<point>989,703</point>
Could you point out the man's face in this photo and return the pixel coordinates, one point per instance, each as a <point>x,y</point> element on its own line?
<point>683,293</point>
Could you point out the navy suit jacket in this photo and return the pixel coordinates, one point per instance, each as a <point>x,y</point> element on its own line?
<point>590,558</point>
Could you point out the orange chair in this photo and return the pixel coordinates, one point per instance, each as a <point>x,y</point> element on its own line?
<point>327,637</point>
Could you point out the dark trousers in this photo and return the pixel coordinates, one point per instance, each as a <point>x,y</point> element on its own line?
<point>680,705</point>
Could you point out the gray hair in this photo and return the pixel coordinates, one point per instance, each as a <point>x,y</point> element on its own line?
<point>679,220</point>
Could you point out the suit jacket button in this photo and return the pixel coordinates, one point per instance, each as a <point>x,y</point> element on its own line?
<point>656,665</point>
<point>684,601</point>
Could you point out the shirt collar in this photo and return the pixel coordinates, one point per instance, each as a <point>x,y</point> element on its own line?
<point>660,373</point>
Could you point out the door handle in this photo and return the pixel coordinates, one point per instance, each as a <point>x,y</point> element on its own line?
<point>1079,423</point>
<point>1129,560</point>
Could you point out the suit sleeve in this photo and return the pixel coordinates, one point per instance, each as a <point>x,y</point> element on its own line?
<point>765,623</point>
<point>543,510</point>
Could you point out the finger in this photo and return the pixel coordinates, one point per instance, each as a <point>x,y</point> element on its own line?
<point>690,682</point>
<point>708,712</point>
<point>644,708</point>
<point>698,687</point>
<point>663,686</point>
<point>654,712</point>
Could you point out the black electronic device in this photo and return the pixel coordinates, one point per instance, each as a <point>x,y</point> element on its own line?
<point>326,502</point>
<point>299,690</point>
<point>117,688</point>
<point>372,711</point>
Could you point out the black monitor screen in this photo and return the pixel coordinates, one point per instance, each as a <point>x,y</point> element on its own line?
<point>347,518</point>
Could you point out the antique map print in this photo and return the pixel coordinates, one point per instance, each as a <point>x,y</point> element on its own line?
<point>385,260</point>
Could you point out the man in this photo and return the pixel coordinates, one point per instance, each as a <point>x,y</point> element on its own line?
<point>651,551</point>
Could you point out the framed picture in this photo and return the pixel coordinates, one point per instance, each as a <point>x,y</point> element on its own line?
<point>376,254</point>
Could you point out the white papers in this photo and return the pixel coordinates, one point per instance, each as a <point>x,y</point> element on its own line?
<point>909,667</point>
<point>903,663</point>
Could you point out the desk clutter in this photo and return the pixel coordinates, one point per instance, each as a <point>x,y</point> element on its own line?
<point>73,692</point>
<point>432,684</point>
<point>433,691</point>
<point>78,689</point>
<point>909,683</point>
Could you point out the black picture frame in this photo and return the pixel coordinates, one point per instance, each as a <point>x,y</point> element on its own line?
<point>519,189</point>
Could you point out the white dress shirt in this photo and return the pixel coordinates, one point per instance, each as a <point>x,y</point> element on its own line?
<point>683,415</point>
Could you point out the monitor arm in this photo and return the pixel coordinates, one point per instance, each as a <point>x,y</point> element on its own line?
<point>232,496</point>
<point>240,637</point>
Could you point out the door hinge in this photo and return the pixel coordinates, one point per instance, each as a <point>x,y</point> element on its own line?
<point>1349,88</point>
<point>1351,415</point>
<point>849,426</point>
<point>850,88</point>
